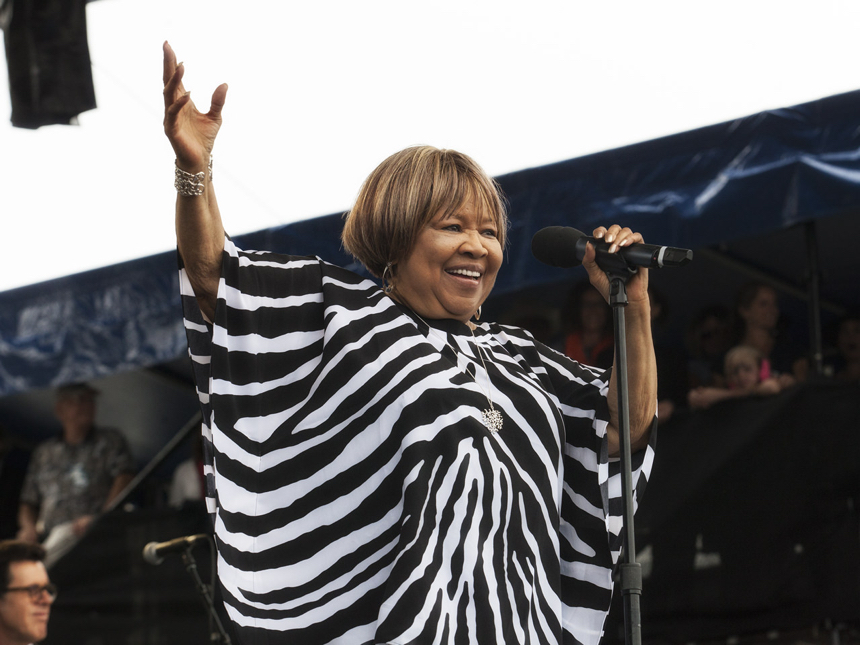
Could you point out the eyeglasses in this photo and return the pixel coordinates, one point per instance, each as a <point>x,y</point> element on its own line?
<point>36,591</point>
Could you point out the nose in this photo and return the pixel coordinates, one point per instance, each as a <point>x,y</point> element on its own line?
<point>45,599</point>
<point>47,595</point>
<point>473,244</point>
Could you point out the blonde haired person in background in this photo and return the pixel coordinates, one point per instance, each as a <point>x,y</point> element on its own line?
<point>744,375</point>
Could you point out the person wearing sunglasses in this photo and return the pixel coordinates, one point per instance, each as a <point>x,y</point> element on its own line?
<point>26,595</point>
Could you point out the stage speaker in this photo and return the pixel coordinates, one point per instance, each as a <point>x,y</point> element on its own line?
<point>50,76</point>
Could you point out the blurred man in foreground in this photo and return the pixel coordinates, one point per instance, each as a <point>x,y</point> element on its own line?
<point>26,595</point>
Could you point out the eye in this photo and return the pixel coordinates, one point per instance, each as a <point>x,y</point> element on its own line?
<point>452,227</point>
<point>490,232</point>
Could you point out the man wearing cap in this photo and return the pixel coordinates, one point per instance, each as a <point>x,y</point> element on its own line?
<point>26,593</point>
<point>72,477</point>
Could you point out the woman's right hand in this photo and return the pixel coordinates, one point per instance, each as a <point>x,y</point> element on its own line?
<point>191,133</point>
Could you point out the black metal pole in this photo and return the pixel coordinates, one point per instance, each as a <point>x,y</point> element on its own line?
<point>192,424</point>
<point>631,572</point>
<point>814,295</point>
<point>219,636</point>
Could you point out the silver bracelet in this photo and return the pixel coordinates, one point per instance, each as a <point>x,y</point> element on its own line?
<point>191,184</point>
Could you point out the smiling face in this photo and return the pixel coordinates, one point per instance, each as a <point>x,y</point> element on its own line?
<point>405,194</point>
<point>453,265</point>
<point>23,620</point>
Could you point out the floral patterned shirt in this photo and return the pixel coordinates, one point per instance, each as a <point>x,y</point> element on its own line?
<point>66,481</point>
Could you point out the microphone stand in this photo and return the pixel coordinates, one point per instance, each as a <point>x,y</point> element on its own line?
<point>631,572</point>
<point>219,635</point>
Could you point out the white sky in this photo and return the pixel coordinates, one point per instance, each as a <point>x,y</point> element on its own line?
<point>322,91</point>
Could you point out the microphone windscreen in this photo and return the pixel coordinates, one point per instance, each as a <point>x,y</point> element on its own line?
<point>150,554</point>
<point>556,246</point>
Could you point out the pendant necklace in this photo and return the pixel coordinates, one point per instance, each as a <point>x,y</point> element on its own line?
<point>491,418</point>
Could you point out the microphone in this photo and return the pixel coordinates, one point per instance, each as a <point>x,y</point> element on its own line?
<point>563,247</point>
<point>154,552</point>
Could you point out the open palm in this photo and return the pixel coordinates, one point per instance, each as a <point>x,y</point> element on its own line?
<point>191,132</point>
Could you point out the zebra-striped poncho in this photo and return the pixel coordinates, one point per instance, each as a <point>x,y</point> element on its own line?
<point>357,495</point>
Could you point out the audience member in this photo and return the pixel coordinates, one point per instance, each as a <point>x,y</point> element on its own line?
<point>745,374</point>
<point>539,319</point>
<point>27,593</point>
<point>757,309</point>
<point>72,477</point>
<point>13,468</point>
<point>709,337</point>
<point>588,318</point>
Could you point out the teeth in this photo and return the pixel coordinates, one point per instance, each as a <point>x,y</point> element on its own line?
<point>470,274</point>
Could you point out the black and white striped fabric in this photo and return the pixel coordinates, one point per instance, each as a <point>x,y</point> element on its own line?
<point>357,495</point>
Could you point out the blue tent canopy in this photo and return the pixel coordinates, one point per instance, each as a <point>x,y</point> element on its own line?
<point>749,179</point>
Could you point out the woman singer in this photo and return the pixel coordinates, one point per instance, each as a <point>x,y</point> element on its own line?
<point>384,467</point>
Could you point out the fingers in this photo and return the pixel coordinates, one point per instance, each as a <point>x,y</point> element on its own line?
<point>174,88</point>
<point>588,258</point>
<point>219,97</point>
<point>596,275</point>
<point>617,236</point>
<point>172,76</point>
<point>175,96</point>
<point>169,63</point>
<point>174,108</point>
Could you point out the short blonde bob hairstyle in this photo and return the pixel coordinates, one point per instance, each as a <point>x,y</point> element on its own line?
<point>405,193</point>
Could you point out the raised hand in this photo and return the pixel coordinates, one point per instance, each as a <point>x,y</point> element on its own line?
<point>191,132</point>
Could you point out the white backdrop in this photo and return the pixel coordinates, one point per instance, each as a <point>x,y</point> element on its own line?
<point>320,92</point>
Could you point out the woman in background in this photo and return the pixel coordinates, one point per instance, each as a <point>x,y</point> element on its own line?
<point>590,340</point>
<point>757,308</point>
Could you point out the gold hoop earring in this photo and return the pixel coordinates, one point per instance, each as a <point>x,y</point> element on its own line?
<point>387,288</point>
<point>478,313</point>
